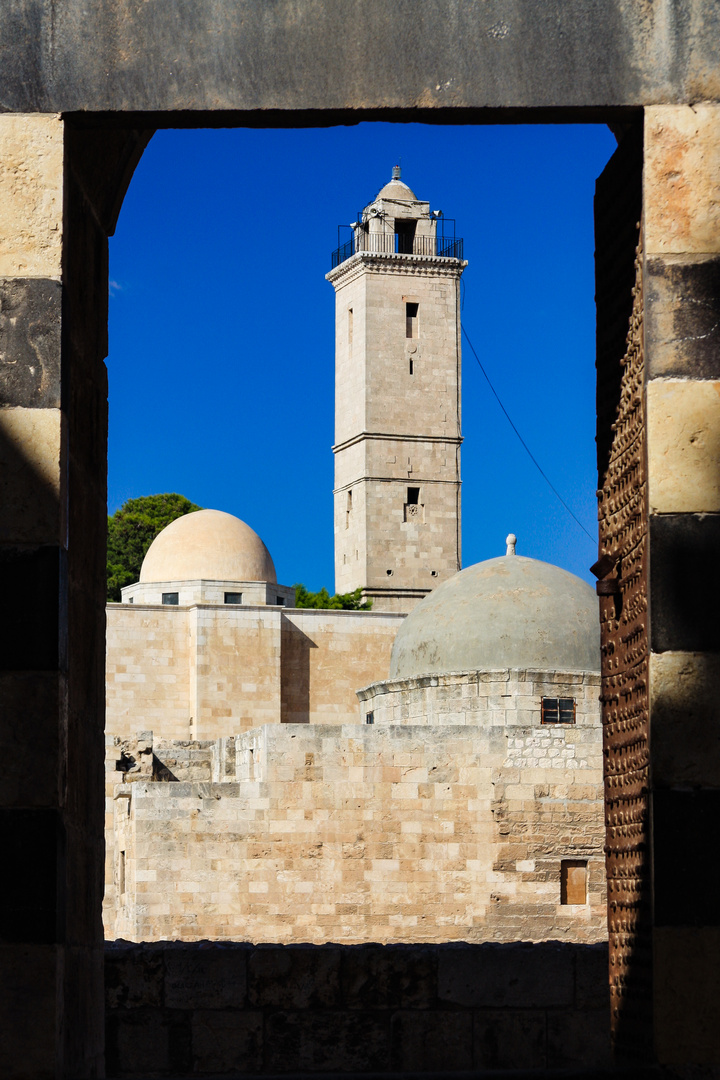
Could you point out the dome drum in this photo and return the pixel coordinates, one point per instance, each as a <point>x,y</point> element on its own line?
<point>510,698</point>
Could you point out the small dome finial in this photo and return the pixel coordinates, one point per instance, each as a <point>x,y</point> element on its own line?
<point>511,541</point>
<point>396,172</point>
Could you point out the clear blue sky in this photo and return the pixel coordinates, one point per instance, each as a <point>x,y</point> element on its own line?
<point>222,338</point>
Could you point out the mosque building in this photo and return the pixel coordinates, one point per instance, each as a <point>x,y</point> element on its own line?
<point>429,770</point>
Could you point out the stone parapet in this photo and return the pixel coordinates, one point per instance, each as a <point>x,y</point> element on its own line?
<point>205,1009</point>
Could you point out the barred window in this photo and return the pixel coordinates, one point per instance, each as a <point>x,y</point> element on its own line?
<point>558,710</point>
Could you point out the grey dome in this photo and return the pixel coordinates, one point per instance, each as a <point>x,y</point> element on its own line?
<point>509,612</point>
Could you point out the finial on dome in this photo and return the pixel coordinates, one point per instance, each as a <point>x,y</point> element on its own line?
<point>396,172</point>
<point>511,541</point>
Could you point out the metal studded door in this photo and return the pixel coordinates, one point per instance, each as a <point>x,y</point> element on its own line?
<point>622,587</point>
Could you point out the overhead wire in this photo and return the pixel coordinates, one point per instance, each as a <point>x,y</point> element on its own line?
<point>525,446</point>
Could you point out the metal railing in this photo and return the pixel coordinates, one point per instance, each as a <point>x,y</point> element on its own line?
<point>447,247</point>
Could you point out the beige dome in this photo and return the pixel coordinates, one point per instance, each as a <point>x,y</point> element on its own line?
<point>207,545</point>
<point>397,190</point>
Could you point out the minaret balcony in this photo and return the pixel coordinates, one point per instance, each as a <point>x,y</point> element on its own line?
<point>393,243</point>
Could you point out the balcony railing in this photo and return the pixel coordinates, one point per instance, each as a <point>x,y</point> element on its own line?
<point>447,247</point>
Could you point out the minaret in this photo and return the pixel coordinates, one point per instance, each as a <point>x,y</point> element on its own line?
<point>397,401</point>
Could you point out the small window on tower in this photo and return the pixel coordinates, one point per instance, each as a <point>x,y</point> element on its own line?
<point>233,598</point>
<point>411,320</point>
<point>558,710</point>
<point>411,368</point>
<point>171,598</point>
<point>413,496</point>
<point>348,510</point>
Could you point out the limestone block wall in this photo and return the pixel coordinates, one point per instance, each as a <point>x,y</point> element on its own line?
<point>148,670</point>
<point>360,833</point>
<point>179,1009</point>
<point>237,669</point>
<point>325,657</point>
<point>214,670</point>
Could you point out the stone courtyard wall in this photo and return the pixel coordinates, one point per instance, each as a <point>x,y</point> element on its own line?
<point>358,833</point>
<point>206,671</point>
<point>176,1009</point>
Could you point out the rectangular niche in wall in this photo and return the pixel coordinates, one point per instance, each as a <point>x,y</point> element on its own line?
<point>573,881</point>
<point>411,320</point>
<point>414,509</point>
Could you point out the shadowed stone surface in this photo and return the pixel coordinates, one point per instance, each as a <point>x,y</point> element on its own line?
<point>30,343</point>
<point>441,54</point>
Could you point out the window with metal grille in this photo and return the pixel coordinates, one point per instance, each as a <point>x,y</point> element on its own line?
<point>233,598</point>
<point>558,710</point>
<point>171,598</point>
<point>573,881</point>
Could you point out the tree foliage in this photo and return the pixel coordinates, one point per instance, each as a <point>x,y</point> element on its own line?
<point>131,531</point>
<point>340,601</point>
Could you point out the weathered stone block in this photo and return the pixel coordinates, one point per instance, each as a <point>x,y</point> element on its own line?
<point>519,975</point>
<point>686,718</point>
<point>147,1042</point>
<point>29,706</point>
<point>579,1039</point>
<point>30,343</point>
<point>337,1041</point>
<point>31,475</point>
<point>682,317</point>
<point>29,979</point>
<point>432,1041</point>
<point>294,977</point>
<point>388,977</point>
<point>31,195</point>
<point>509,1040</point>
<point>212,978</point>
<point>683,433</point>
<point>682,179</point>
<point>28,898</point>
<point>686,986</point>
<point>681,823</point>
<point>685,582</point>
<point>133,977</point>
<point>224,1041</point>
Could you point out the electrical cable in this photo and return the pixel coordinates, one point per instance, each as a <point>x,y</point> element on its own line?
<point>529,452</point>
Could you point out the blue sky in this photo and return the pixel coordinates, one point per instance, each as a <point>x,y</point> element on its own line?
<point>222,339</point>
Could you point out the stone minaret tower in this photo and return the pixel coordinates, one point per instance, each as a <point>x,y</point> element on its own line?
<point>397,401</point>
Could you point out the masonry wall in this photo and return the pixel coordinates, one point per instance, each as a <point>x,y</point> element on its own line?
<point>361,833</point>
<point>178,1009</point>
<point>209,671</point>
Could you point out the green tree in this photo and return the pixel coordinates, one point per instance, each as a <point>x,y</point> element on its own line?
<point>340,601</point>
<point>131,531</point>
